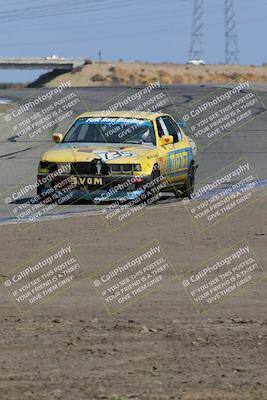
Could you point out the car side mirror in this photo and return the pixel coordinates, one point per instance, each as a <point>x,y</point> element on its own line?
<point>166,139</point>
<point>57,137</point>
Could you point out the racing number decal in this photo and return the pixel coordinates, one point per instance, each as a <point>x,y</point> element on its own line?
<point>178,161</point>
<point>112,155</point>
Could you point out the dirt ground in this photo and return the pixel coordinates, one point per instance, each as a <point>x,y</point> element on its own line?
<point>122,73</point>
<point>158,348</point>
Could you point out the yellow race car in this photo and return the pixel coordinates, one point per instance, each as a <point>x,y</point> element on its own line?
<point>106,156</point>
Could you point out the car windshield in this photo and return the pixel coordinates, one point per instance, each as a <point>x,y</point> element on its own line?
<point>111,130</point>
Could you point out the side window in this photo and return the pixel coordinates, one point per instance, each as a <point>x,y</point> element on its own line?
<point>178,130</point>
<point>160,127</point>
<point>173,129</point>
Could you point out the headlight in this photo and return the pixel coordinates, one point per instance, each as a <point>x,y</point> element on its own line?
<point>64,168</point>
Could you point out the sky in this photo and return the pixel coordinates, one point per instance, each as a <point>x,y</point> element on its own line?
<point>144,30</point>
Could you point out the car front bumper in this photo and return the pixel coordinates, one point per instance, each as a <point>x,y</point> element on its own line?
<point>115,188</point>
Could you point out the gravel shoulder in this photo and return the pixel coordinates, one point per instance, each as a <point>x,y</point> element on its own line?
<point>157,348</point>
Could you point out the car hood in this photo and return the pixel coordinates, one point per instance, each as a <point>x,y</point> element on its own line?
<point>109,153</point>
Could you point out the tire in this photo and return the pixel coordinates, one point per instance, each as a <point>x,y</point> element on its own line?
<point>188,187</point>
<point>39,191</point>
<point>152,192</point>
<point>43,194</point>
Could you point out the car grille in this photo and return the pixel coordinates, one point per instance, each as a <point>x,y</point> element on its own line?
<point>95,167</point>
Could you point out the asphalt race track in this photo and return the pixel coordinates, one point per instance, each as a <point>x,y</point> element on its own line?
<point>19,157</point>
<point>68,343</point>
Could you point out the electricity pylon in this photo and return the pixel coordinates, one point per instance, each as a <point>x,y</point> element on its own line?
<point>196,45</point>
<point>231,42</point>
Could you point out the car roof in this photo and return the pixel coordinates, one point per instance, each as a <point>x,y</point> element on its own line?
<point>123,114</point>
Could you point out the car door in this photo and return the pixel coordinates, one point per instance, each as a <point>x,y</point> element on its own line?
<point>179,153</point>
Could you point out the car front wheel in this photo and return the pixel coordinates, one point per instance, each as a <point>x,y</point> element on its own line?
<point>188,188</point>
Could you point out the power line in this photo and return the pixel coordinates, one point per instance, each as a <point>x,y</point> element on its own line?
<point>68,8</point>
